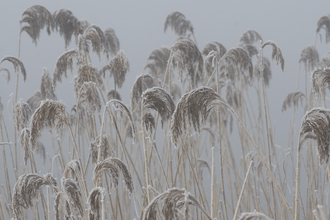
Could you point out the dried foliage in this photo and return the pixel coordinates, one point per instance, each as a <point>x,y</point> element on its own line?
<point>67,24</point>
<point>35,18</point>
<point>293,99</point>
<point>87,73</point>
<point>89,96</point>
<point>179,24</point>
<point>64,63</point>
<point>96,196</point>
<point>113,94</point>
<point>27,189</point>
<point>170,202</point>
<point>118,67</point>
<point>192,111</point>
<point>17,63</point>
<point>106,150</point>
<point>267,71</point>
<point>324,23</point>
<point>50,114</point>
<point>309,57</point>
<point>157,63</point>
<point>22,113</point>
<point>276,54</point>
<point>187,58</point>
<point>73,194</point>
<point>158,99</point>
<point>252,215</point>
<point>111,166</point>
<point>111,41</point>
<point>316,125</point>
<point>142,83</point>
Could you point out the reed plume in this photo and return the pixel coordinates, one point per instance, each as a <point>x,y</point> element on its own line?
<point>192,111</point>
<point>247,40</point>
<point>94,201</point>
<point>157,63</point>
<point>119,67</point>
<point>73,194</point>
<point>112,42</point>
<point>219,49</point>
<point>170,202</point>
<point>92,35</point>
<point>89,96</point>
<point>62,207</point>
<point>22,113</point>
<point>276,54</point>
<point>142,83</point>
<point>106,150</point>
<point>179,24</point>
<point>252,215</point>
<point>27,189</point>
<point>46,86</point>
<point>187,58</point>
<point>50,114</point>
<point>324,23</point>
<point>158,99</point>
<point>35,18</point>
<point>17,63</point>
<point>66,24</point>
<point>63,64</point>
<point>320,79</point>
<point>113,94</point>
<point>2,69</point>
<point>293,99</point>
<point>25,144</point>
<point>309,57</point>
<point>148,123</point>
<point>87,73</point>
<point>266,73</point>
<point>111,166</point>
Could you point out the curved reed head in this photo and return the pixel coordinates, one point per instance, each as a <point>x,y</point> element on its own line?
<point>106,150</point>
<point>112,42</point>
<point>148,123</point>
<point>94,201</point>
<point>179,24</point>
<point>22,113</point>
<point>17,63</point>
<point>89,96</point>
<point>63,64</point>
<point>293,99</point>
<point>73,194</point>
<point>119,66</point>
<point>324,23</point>
<point>276,54</point>
<point>310,57</point>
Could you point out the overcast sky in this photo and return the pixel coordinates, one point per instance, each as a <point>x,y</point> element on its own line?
<point>139,26</point>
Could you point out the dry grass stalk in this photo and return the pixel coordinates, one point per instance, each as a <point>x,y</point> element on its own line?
<point>63,63</point>
<point>187,58</point>
<point>267,71</point>
<point>106,150</point>
<point>158,99</point>
<point>142,83</point>
<point>35,19</point>
<point>95,198</point>
<point>192,111</point>
<point>324,23</point>
<point>27,189</point>
<point>111,166</point>
<point>118,67</point>
<point>293,99</point>
<point>170,202</point>
<point>73,193</point>
<point>17,63</point>
<point>276,54</point>
<point>113,94</point>
<point>251,215</point>
<point>179,24</point>
<point>67,24</point>
<point>310,57</point>
<point>87,73</point>
<point>112,42</point>
<point>22,113</point>
<point>50,114</point>
<point>89,96</point>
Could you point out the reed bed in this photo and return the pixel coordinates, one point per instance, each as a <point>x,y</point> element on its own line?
<point>148,159</point>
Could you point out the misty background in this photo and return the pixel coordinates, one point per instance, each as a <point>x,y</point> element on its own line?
<point>139,26</point>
